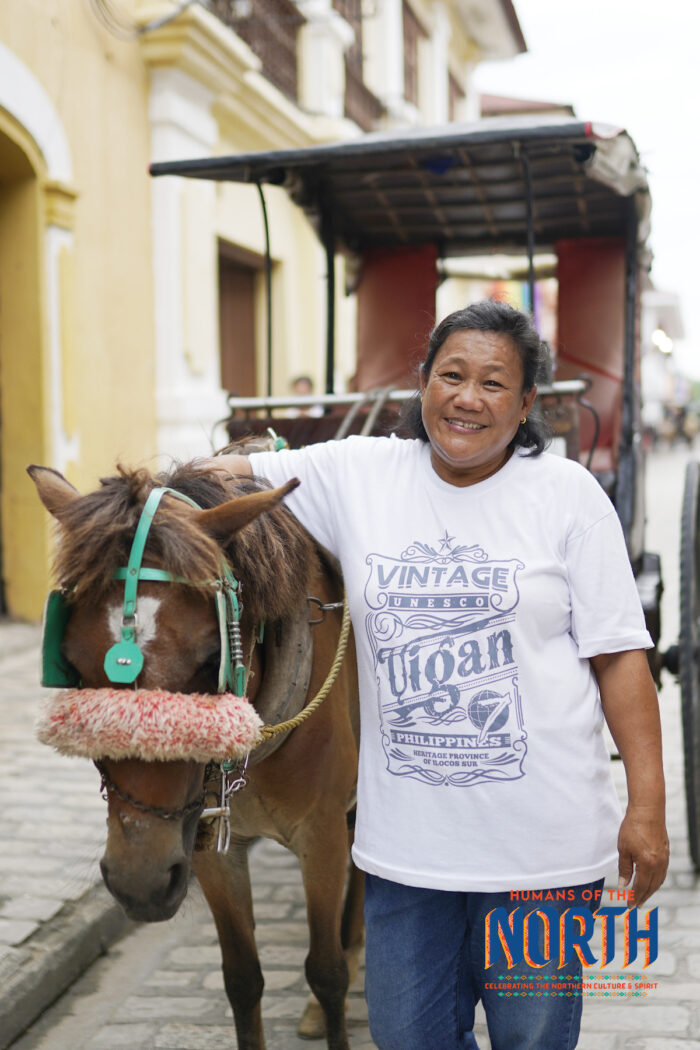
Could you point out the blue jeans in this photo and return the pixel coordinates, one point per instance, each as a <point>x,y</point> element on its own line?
<point>425,972</point>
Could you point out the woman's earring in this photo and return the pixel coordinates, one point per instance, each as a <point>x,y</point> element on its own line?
<point>524,419</point>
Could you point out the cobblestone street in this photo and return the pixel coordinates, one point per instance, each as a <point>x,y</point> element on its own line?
<point>166,984</point>
<point>160,986</point>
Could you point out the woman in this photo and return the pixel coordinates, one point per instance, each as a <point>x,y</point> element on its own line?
<point>497,621</point>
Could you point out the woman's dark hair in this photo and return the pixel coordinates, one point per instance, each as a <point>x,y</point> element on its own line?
<point>490,315</point>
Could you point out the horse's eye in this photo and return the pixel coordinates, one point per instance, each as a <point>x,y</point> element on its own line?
<point>209,666</point>
<point>211,658</point>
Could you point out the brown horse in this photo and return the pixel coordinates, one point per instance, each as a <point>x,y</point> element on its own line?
<point>301,784</point>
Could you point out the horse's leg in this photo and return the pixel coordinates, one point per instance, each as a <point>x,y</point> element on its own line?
<point>313,1023</point>
<point>353,925</point>
<point>226,884</point>
<point>323,854</point>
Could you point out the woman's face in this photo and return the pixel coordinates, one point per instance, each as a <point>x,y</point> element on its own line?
<point>473,401</point>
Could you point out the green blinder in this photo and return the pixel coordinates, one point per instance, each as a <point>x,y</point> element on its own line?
<point>56,671</point>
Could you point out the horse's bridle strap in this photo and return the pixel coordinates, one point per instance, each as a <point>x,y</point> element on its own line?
<point>133,568</point>
<point>147,573</point>
<point>124,661</point>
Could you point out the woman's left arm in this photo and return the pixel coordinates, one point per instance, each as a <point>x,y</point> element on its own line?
<point>631,709</point>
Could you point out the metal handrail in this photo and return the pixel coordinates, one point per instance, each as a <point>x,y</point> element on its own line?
<point>561,388</point>
<point>253,404</point>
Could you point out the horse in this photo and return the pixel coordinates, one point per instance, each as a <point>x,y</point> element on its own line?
<point>300,783</point>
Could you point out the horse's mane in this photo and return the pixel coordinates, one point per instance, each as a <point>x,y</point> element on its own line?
<point>272,557</point>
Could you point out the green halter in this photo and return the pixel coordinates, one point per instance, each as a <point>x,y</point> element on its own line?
<point>124,661</point>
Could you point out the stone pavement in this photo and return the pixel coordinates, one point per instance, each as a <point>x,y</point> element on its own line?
<point>55,918</point>
<point>161,986</point>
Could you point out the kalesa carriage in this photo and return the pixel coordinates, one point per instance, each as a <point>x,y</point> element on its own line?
<point>227,678</point>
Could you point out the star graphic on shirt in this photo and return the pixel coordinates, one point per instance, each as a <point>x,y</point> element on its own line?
<point>445,542</point>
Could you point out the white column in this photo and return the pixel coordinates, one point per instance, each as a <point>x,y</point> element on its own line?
<point>469,108</point>
<point>323,42</point>
<point>435,100</point>
<point>189,398</point>
<point>65,449</point>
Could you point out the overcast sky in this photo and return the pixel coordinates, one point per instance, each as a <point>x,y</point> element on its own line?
<point>636,64</point>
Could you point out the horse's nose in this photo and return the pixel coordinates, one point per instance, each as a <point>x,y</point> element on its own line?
<point>148,895</point>
<point>177,884</point>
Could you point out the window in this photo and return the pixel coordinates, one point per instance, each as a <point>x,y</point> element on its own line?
<point>360,104</point>
<point>351,11</point>
<point>413,32</point>
<point>270,29</point>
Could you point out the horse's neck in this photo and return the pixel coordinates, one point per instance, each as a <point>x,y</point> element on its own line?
<point>282,690</point>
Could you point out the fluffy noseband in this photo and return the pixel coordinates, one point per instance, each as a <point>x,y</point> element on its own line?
<point>149,724</point>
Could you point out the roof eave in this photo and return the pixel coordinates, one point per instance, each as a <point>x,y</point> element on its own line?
<point>494,26</point>
<point>514,25</point>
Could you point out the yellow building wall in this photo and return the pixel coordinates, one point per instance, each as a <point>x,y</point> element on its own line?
<point>99,87</point>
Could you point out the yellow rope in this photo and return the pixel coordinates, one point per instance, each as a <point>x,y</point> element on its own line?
<point>269,731</point>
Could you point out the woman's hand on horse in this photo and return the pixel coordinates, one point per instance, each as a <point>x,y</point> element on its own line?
<point>230,462</point>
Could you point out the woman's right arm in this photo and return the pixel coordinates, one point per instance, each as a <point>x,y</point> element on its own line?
<point>231,463</point>
<point>313,502</point>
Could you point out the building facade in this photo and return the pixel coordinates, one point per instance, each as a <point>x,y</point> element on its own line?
<point>130,307</point>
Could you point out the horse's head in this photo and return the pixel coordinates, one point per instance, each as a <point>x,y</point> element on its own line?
<point>156,796</point>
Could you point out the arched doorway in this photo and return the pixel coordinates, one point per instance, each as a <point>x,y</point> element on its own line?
<point>23,540</point>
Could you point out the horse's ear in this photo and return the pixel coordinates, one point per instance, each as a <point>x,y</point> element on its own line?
<point>225,521</point>
<point>54,491</point>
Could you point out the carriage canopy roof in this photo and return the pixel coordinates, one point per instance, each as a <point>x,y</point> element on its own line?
<point>466,187</point>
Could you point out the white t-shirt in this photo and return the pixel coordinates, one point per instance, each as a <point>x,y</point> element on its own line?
<point>482,761</point>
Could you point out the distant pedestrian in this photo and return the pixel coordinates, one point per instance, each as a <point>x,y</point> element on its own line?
<point>303,386</point>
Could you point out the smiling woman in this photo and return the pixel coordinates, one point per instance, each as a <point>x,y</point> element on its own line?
<point>497,623</point>
<point>477,388</point>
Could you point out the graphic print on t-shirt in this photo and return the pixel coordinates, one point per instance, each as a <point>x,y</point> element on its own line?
<point>445,668</point>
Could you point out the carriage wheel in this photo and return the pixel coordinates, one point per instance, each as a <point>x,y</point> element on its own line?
<point>689,651</point>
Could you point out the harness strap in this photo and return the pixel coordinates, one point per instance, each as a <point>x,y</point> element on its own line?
<point>147,573</point>
<point>138,546</point>
<point>269,731</point>
<point>124,661</point>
